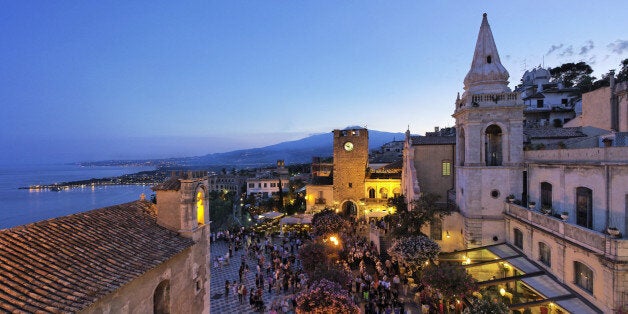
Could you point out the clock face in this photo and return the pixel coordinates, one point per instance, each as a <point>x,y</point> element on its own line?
<point>348,146</point>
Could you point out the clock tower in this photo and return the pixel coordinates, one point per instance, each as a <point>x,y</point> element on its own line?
<point>351,153</point>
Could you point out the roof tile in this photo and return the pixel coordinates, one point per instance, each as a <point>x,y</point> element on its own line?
<point>67,263</point>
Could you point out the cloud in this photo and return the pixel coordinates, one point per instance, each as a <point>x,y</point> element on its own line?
<point>592,60</point>
<point>507,57</point>
<point>619,46</point>
<point>554,48</point>
<point>567,52</point>
<point>586,48</point>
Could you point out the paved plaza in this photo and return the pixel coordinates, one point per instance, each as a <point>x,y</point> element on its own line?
<point>219,303</point>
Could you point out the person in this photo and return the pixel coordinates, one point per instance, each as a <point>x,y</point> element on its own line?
<point>240,291</point>
<point>227,289</point>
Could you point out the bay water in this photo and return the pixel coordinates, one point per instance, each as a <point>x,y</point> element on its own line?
<point>23,206</point>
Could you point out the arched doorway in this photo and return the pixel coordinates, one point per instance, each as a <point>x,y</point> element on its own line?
<point>161,298</point>
<point>349,209</point>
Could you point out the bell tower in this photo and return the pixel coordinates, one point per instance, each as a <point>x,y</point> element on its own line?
<point>489,144</point>
<point>351,153</point>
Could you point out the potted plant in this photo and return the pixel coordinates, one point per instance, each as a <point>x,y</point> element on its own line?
<point>564,215</point>
<point>531,205</point>
<point>546,210</point>
<point>510,198</point>
<point>613,231</point>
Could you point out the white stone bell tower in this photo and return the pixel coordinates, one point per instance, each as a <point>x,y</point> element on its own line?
<point>489,144</point>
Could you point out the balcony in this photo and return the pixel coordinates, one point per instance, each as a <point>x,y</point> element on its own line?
<point>320,201</point>
<point>595,241</point>
<point>375,201</point>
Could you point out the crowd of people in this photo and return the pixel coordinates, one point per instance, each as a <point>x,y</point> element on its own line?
<point>275,265</point>
<point>376,285</point>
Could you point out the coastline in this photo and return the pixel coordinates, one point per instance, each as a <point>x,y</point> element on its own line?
<point>151,177</point>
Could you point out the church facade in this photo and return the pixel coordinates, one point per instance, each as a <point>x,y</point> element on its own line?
<point>562,212</point>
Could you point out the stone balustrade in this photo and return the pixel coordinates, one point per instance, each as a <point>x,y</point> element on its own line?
<point>595,154</point>
<point>598,242</point>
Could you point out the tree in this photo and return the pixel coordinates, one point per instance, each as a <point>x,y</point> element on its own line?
<point>280,193</point>
<point>486,306</point>
<point>622,75</point>
<point>313,255</point>
<point>413,251</point>
<point>425,210</point>
<point>451,280</point>
<point>325,296</point>
<point>398,202</point>
<point>327,222</point>
<point>573,75</point>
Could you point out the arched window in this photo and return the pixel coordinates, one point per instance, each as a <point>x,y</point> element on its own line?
<point>371,193</point>
<point>545,254</point>
<point>161,298</point>
<point>546,194</point>
<point>493,145</point>
<point>461,146</point>
<point>583,276</point>
<point>397,192</point>
<point>488,59</point>
<point>584,207</point>
<point>518,235</point>
<point>383,192</point>
<point>200,206</point>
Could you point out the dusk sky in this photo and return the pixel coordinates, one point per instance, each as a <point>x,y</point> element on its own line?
<point>94,80</point>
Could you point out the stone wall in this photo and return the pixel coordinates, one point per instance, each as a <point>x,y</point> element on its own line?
<point>189,285</point>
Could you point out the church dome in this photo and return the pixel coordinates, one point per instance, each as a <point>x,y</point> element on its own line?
<point>487,74</point>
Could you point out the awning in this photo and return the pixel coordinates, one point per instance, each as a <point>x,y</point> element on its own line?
<point>503,266</point>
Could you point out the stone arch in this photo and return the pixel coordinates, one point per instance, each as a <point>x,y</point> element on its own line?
<point>494,136</point>
<point>200,204</point>
<point>161,298</point>
<point>383,193</point>
<point>461,147</point>
<point>349,209</point>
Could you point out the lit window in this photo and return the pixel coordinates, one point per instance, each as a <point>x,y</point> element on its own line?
<point>583,276</point>
<point>446,168</point>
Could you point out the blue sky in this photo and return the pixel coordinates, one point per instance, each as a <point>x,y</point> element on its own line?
<point>93,80</point>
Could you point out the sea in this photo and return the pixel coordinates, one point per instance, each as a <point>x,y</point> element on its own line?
<point>23,206</point>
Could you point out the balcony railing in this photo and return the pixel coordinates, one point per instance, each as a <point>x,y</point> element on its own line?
<point>372,201</point>
<point>320,201</point>
<point>598,242</point>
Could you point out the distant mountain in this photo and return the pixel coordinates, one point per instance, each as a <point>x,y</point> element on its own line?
<point>292,152</point>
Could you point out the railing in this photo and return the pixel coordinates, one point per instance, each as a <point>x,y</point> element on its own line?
<point>598,242</point>
<point>494,97</point>
<point>371,201</point>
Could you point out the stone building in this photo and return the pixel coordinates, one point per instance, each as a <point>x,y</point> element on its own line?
<point>560,243</point>
<point>268,181</point>
<point>489,144</point>
<point>352,187</point>
<point>546,103</point>
<point>136,257</point>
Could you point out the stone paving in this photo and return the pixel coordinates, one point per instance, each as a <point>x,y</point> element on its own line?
<point>221,304</point>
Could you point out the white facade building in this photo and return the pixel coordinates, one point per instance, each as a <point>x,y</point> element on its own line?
<point>562,244</point>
